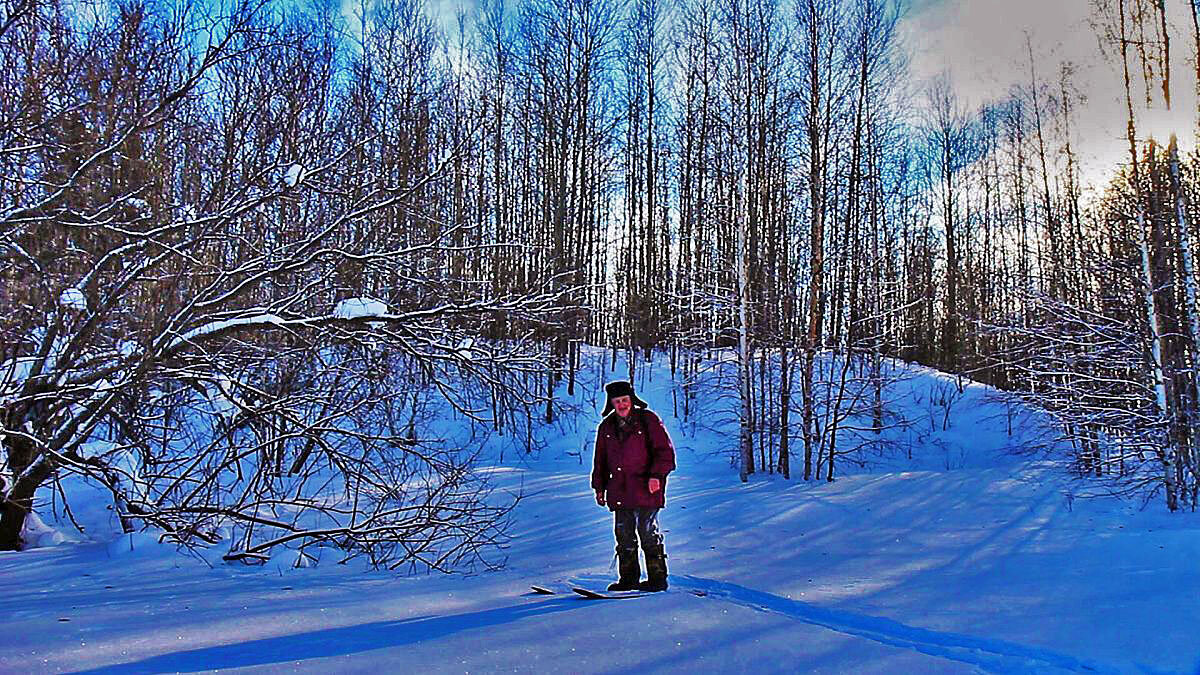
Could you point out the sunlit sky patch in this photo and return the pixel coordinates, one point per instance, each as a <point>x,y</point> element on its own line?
<point>982,46</point>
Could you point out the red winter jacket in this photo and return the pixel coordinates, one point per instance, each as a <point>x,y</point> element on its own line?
<point>624,469</point>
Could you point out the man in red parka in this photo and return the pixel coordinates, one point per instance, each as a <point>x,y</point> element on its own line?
<point>633,456</point>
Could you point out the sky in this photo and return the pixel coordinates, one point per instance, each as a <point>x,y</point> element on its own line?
<point>981,46</point>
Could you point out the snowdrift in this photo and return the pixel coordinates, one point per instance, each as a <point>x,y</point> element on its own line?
<point>942,545</point>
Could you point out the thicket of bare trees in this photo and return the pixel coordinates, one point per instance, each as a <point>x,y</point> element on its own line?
<point>243,245</point>
<point>1104,327</point>
<point>238,259</point>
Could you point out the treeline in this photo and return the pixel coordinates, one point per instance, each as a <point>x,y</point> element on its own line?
<point>190,191</point>
<point>771,189</point>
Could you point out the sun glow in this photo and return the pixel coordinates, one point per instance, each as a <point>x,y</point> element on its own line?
<point>991,50</point>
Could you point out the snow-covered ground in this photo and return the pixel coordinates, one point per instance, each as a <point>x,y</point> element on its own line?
<point>965,558</point>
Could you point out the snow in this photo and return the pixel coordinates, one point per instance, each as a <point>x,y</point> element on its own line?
<point>964,558</point>
<point>219,396</point>
<point>295,173</point>
<point>14,372</point>
<point>73,298</point>
<point>127,348</point>
<point>224,324</point>
<point>140,205</point>
<point>463,351</point>
<point>37,534</point>
<point>355,308</point>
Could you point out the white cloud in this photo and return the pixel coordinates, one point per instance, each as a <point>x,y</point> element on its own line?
<point>981,45</point>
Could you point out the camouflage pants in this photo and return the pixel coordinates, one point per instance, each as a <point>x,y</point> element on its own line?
<point>630,525</point>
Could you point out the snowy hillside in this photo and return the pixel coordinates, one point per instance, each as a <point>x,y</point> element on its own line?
<point>964,557</point>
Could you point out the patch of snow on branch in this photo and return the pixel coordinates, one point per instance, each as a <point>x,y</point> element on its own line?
<point>294,175</point>
<point>217,326</point>
<point>73,298</point>
<point>140,205</point>
<point>354,308</point>
<point>220,394</point>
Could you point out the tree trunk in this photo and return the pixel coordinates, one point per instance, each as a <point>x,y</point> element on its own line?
<point>744,423</point>
<point>1156,356</point>
<point>31,471</point>
<point>1188,455</point>
<point>785,406</point>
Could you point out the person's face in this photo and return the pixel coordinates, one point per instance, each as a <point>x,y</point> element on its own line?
<point>623,404</point>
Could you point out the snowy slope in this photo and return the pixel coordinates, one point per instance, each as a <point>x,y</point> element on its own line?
<point>965,558</point>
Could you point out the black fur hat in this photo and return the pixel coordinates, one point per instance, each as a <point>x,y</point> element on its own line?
<point>620,388</point>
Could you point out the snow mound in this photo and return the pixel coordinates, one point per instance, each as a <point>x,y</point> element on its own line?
<point>941,553</point>
<point>38,534</point>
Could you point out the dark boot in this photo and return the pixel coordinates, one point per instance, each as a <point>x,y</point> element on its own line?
<point>630,572</point>
<point>656,572</point>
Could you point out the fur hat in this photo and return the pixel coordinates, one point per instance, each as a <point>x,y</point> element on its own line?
<point>620,388</point>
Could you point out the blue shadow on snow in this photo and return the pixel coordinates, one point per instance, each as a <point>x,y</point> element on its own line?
<point>338,641</point>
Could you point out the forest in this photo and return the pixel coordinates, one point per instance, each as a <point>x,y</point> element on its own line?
<point>246,245</point>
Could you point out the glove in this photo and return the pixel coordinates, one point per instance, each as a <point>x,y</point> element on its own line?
<point>655,485</point>
<point>600,497</point>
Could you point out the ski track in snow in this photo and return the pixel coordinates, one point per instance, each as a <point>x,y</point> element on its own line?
<point>991,655</point>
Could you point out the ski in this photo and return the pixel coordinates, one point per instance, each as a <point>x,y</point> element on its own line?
<point>595,595</point>
<point>589,593</point>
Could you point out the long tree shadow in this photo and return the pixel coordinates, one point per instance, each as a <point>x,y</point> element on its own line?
<point>339,641</point>
<point>989,654</point>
